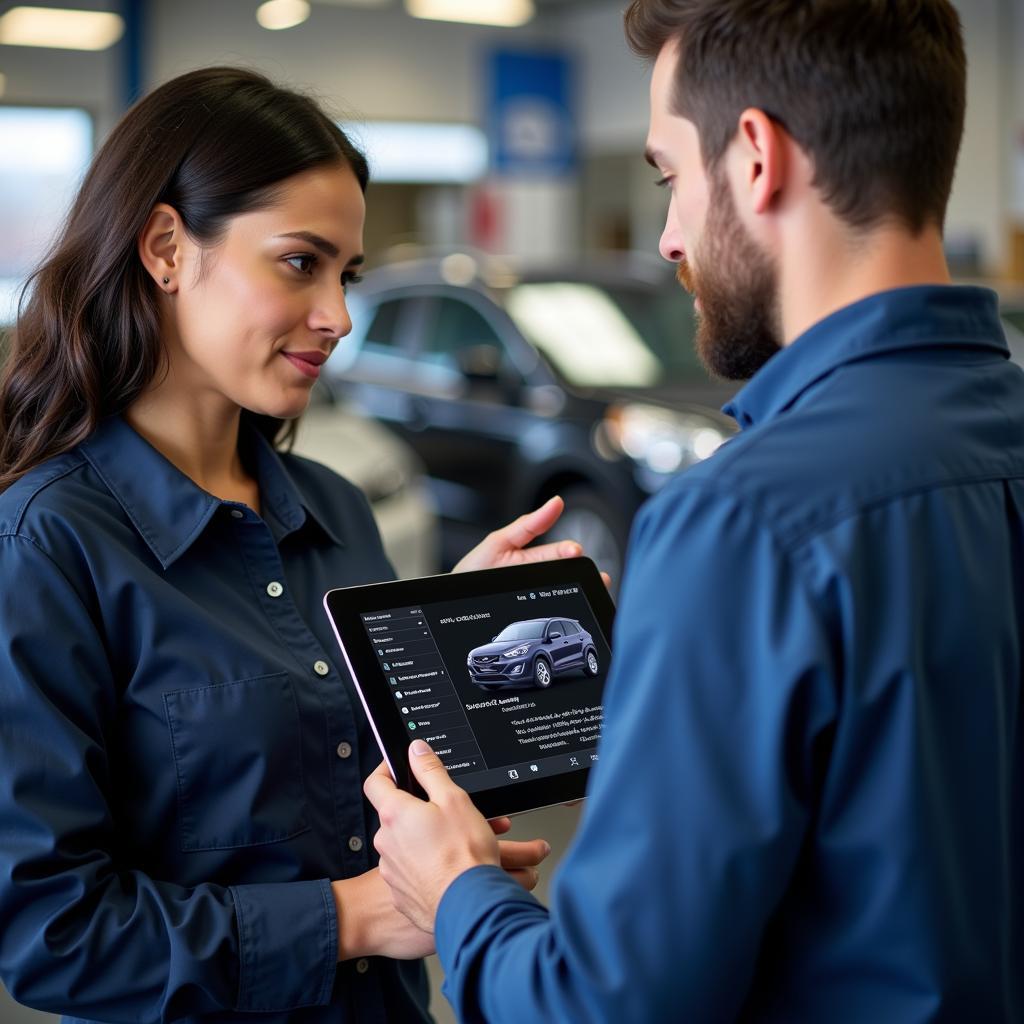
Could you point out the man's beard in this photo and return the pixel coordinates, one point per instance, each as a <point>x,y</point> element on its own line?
<point>738,327</point>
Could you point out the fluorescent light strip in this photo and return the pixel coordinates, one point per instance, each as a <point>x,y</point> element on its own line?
<point>505,13</point>
<point>421,153</point>
<point>60,29</point>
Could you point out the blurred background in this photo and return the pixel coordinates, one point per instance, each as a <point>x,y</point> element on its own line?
<point>516,335</point>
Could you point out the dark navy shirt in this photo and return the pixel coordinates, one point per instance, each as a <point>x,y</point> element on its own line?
<point>809,804</point>
<point>181,753</point>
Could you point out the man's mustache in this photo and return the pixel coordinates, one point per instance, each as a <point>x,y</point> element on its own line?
<point>684,275</point>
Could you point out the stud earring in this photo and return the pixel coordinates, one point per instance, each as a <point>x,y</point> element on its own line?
<point>167,280</point>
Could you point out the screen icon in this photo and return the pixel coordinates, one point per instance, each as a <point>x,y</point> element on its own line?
<point>534,768</point>
<point>412,725</point>
<point>513,774</point>
<point>398,694</point>
<point>574,762</point>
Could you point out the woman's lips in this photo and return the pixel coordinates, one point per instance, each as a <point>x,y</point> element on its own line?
<point>307,363</point>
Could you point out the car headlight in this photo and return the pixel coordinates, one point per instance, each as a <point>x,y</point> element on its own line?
<point>516,652</point>
<point>659,439</point>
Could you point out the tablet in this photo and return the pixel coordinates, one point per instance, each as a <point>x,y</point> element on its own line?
<point>500,671</point>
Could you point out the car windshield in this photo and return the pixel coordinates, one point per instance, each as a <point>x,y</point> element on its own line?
<point>533,629</point>
<point>630,335</point>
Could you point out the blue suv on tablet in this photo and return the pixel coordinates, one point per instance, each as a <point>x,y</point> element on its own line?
<point>531,653</point>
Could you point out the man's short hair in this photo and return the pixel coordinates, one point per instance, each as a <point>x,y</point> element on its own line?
<point>873,91</point>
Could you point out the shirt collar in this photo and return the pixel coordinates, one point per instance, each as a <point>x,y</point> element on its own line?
<point>903,318</point>
<point>169,509</point>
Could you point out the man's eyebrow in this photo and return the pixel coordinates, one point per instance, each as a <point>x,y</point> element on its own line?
<point>327,248</point>
<point>653,157</point>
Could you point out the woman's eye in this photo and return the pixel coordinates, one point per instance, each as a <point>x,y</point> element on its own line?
<point>350,277</point>
<point>303,263</point>
<point>664,182</point>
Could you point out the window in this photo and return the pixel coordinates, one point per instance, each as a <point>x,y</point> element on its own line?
<point>44,153</point>
<point>383,329</point>
<point>460,337</point>
<point>571,629</point>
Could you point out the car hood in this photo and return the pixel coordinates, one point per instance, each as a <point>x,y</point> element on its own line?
<point>507,645</point>
<point>706,398</point>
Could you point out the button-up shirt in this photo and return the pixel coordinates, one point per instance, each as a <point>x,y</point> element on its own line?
<point>809,804</point>
<point>181,752</point>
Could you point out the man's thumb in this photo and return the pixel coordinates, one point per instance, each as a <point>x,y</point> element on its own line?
<point>430,773</point>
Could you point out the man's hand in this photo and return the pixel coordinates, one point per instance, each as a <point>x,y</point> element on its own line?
<point>507,546</point>
<point>424,845</point>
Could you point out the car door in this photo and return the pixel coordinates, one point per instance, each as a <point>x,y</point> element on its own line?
<point>573,643</point>
<point>471,423</point>
<point>557,647</point>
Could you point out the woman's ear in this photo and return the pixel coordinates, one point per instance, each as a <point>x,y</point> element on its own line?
<point>160,247</point>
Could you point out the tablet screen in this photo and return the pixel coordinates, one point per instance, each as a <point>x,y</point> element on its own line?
<point>504,687</point>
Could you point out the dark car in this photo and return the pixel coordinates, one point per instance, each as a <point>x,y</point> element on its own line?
<point>514,385</point>
<point>531,653</point>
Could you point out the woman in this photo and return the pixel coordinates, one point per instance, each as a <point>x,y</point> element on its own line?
<point>184,832</point>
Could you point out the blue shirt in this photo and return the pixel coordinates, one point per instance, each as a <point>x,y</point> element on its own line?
<point>810,800</point>
<point>181,754</point>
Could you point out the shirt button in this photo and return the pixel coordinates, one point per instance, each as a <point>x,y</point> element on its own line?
<point>362,966</point>
<point>355,844</point>
<point>344,750</point>
<point>237,513</point>
<point>321,668</point>
<point>274,589</point>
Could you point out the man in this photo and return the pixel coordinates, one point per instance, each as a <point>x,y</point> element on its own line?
<point>810,799</point>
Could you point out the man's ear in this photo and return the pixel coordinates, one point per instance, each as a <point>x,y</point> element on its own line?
<point>763,154</point>
<point>160,246</point>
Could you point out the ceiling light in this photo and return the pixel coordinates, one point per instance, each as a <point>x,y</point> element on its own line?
<point>507,13</point>
<point>410,152</point>
<point>60,29</point>
<point>277,14</point>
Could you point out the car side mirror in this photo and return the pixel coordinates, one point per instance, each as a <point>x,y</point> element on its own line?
<point>554,636</point>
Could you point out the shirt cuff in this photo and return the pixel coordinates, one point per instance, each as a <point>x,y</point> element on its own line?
<point>466,902</point>
<point>288,945</point>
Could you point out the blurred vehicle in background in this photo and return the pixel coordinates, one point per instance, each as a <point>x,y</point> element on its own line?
<point>387,472</point>
<point>512,385</point>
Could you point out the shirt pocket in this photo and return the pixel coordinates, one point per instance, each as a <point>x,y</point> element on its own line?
<point>238,759</point>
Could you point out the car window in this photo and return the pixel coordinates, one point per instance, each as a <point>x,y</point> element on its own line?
<point>457,328</point>
<point>607,335</point>
<point>531,629</point>
<point>570,627</point>
<point>382,332</point>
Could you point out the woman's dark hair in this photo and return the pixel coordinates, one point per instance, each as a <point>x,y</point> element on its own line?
<point>874,91</point>
<point>212,143</point>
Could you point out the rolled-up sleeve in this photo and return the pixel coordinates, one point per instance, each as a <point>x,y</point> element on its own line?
<point>81,930</point>
<point>719,694</point>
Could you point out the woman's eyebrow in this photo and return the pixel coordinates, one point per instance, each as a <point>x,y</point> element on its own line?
<point>327,248</point>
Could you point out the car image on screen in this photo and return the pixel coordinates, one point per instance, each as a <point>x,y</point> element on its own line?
<point>531,653</point>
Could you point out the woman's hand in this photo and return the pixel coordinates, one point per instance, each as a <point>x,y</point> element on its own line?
<point>507,546</point>
<point>370,925</point>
